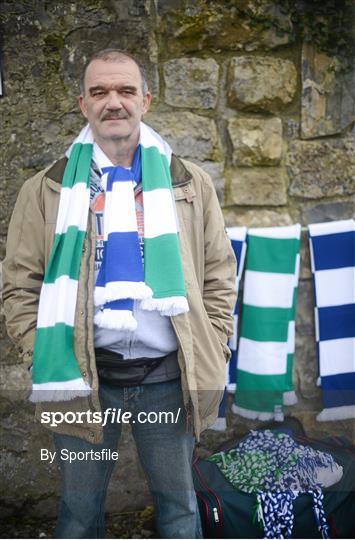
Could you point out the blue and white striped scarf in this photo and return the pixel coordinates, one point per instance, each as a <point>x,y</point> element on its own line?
<point>238,238</point>
<point>332,247</point>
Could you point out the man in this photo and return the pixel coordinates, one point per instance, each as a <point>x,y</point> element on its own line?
<point>123,295</point>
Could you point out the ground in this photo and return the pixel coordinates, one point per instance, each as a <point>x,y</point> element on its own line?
<point>125,525</point>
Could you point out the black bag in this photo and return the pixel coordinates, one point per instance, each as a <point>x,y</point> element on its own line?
<point>229,513</point>
<point>112,369</point>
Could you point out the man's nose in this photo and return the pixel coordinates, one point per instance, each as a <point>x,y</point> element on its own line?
<point>114,101</point>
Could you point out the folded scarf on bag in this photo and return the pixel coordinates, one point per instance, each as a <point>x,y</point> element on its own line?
<point>332,247</point>
<point>159,285</point>
<point>277,469</point>
<point>267,332</point>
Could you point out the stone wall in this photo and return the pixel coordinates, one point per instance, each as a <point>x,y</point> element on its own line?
<point>236,91</point>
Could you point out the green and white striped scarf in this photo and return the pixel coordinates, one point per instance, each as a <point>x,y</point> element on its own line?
<point>56,374</point>
<point>267,333</point>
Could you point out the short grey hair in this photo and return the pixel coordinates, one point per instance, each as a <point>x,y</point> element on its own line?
<point>113,55</point>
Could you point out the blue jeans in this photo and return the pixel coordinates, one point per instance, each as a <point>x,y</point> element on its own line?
<point>164,449</point>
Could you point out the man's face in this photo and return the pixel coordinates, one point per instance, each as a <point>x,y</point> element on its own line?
<point>113,100</point>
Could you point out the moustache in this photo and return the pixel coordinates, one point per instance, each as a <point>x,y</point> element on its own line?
<point>111,116</point>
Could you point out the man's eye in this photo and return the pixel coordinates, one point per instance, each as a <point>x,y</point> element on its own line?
<point>98,93</point>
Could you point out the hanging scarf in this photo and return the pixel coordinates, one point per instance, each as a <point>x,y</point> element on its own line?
<point>332,248</point>
<point>238,238</point>
<point>267,333</point>
<point>122,278</point>
<point>277,469</point>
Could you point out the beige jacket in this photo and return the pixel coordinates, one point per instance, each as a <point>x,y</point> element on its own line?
<point>209,271</point>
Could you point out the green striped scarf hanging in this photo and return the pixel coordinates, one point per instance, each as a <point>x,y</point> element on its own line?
<point>56,374</point>
<point>267,333</point>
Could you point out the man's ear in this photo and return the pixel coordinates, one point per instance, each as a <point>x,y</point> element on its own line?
<point>82,105</point>
<point>147,99</point>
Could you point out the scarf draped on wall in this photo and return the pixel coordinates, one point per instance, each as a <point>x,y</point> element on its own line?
<point>332,248</point>
<point>267,333</point>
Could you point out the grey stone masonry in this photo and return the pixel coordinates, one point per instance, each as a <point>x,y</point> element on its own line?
<point>322,168</point>
<point>191,82</point>
<point>256,141</point>
<point>190,135</point>
<point>261,83</point>
<point>259,186</point>
<point>328,94</point>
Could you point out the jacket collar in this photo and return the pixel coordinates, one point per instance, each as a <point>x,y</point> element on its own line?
<point>179,174</point>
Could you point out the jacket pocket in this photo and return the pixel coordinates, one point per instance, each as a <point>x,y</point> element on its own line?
<point>225,349</point>
<point>209,401</point>
<point>223,346</point>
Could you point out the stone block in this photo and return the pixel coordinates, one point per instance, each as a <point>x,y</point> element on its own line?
<point>15,382</point>
<point>259,186</point>
<point>216,171</point>
<point>260,83</point>
<point>191,82</point>
<point>256,218</point>
<point>332,211</point>
<point>328,94</point>
<point>321,168</point>
<point>191,136</point>
<point>280,27</point>
<point>185,27</point>
<point>256,141</point>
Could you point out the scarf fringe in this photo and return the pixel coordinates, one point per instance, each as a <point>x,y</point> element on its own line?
<point>290,398</point>
<point>219,425</point>
<point>257,415</point>
<point>118,290</point>
<point>115,320</point>
<point>337,413</point>
<point>174,305</point>
<point>231,388</point>
<point>59,391</point>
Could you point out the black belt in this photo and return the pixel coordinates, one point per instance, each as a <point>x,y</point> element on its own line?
<point>113,369</point>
